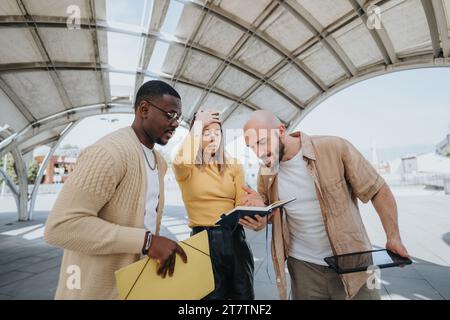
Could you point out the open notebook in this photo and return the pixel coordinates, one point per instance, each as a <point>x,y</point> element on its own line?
<point>232,217</point>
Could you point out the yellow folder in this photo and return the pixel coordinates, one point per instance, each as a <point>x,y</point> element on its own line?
<point>191,281</point>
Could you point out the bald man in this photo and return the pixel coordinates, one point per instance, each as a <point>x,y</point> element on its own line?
<point>326,175</point>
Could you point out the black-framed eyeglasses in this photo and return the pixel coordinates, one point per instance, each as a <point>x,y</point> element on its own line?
<point>171,116</point>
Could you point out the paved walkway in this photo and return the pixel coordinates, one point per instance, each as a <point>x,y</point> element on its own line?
<point>29,268</point>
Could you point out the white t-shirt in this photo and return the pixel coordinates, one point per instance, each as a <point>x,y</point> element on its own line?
<point>152,196</point>
<point>308,239</point>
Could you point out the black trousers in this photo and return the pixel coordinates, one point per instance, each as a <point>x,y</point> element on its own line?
<point>232,263</point>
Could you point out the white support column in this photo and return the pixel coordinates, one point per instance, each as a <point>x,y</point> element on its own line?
<point>2,192</point>
<point>21,172</point>
<point>7,180</point>
<point>43,167</point>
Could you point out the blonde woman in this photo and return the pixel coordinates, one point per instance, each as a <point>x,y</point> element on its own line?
<point>211,184</point>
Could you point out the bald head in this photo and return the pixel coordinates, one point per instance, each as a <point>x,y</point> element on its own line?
<point>262,119</point>
<point>263,133</point>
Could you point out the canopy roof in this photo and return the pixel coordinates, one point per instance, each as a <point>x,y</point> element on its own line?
<point>233,55</point>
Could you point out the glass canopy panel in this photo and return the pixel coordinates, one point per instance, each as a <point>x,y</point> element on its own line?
<point>172,59</point>
<point>47,137</point>
<point>234,81</point>
<point>247,10</point>
<point>158,57</point>
<point>123,51</point>
<point>68,45</point>
<point>268,99</point>
<point>258,56</point>
<point>237,120</point>
<point>19,38</point>
<point>291,79</point>
<point>200,67</point>
<point>9,8</point>
<point>280,25</point>
<point>407,26</point>
<point>58,8</point>
<point>85,86</point>
<point>30,88</point>
<point>122,85</point>
<point>358,44</point>
<point>217,35</point>
<point>447,12</point>
<point>189,97</point>
<point>216,102</point>
<point>172,17</point>
<point>11,116</point>
<point>188,21</point>
<point>327,11</point>
<point>322,63</point>
<point>130,14</point>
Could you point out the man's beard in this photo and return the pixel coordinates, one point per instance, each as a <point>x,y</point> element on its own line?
<point>276,160</point>
<point>161,142</point>
<point>157,140</point>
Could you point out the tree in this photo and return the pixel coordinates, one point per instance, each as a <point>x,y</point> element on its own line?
<point>10,170</point>
<point>33,172</point>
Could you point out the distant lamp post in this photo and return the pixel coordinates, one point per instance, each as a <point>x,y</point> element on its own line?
<point>110,120</point>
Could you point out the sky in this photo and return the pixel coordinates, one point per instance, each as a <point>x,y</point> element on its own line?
<point>401,109</point>
<point>394,111</point>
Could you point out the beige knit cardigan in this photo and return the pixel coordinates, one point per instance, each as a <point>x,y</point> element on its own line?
<point>98,217</point>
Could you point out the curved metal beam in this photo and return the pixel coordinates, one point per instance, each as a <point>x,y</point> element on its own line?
<point>316,28</point>
<point>77,113</point>
<point>270,42</point>
<point>16,101</point>
<point>21,171</point>
<point>60,119</point>
<point>44,165</point>
<point>407,64</point>
<point>264,15</point>
<point>432,26</point>
<point>104,78</point>
<point>179,69</point>
<point>9,183</point>
<point>30,148</point>
<point>380,36</point>
<point>439,13</point>
<point>58,22</point>
<point>45,55</point>
<point>37,66</point>
<point>159,12</point>
<point>5,176</point>
<point>11,186</point>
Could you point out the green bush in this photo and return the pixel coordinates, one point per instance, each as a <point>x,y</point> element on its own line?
<point>11,172</point>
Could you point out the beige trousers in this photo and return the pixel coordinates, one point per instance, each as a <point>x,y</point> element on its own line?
<point>310,281</point>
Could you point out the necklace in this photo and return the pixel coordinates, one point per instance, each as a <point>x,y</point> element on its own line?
<point>148,162</point>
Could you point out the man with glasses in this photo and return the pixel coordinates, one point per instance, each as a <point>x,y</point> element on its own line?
<point>109,211</point>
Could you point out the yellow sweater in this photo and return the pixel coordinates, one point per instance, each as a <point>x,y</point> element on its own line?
<point>98,217</point>
<point>206,193</point>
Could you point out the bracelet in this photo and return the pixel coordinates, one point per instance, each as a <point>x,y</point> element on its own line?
<point>147,242</point>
